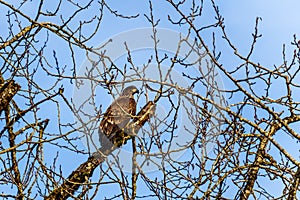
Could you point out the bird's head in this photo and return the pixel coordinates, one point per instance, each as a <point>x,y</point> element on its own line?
<point>130,90</point>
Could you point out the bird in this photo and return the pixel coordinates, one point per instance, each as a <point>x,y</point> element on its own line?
<point>117,116</point>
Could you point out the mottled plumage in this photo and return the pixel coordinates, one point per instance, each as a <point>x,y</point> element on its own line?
<point>118,114</point>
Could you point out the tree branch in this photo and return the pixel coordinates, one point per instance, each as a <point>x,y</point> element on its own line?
<point>294,186</point>
<point>85,170</point>
<point>7,91</point>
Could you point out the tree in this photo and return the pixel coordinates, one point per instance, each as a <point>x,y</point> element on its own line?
<point>203,140</point>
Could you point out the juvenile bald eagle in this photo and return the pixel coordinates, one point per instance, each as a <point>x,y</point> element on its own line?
<point>117,115</point>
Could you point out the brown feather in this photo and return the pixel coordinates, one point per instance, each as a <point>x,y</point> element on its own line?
<point>116,117</point>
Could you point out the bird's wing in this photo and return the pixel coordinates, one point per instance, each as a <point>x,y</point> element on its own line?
<point>118,115</point>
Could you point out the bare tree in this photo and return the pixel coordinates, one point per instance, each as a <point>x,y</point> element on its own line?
<point>203,140</point>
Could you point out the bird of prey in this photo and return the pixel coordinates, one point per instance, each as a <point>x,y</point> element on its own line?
<point>117,116</point>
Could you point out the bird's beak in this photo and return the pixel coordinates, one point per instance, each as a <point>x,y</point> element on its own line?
<point>136,91</point>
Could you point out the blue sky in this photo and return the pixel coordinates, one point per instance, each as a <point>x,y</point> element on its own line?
<point>280,21</point>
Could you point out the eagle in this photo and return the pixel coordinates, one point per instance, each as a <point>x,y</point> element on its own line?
<point>117,116</point>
